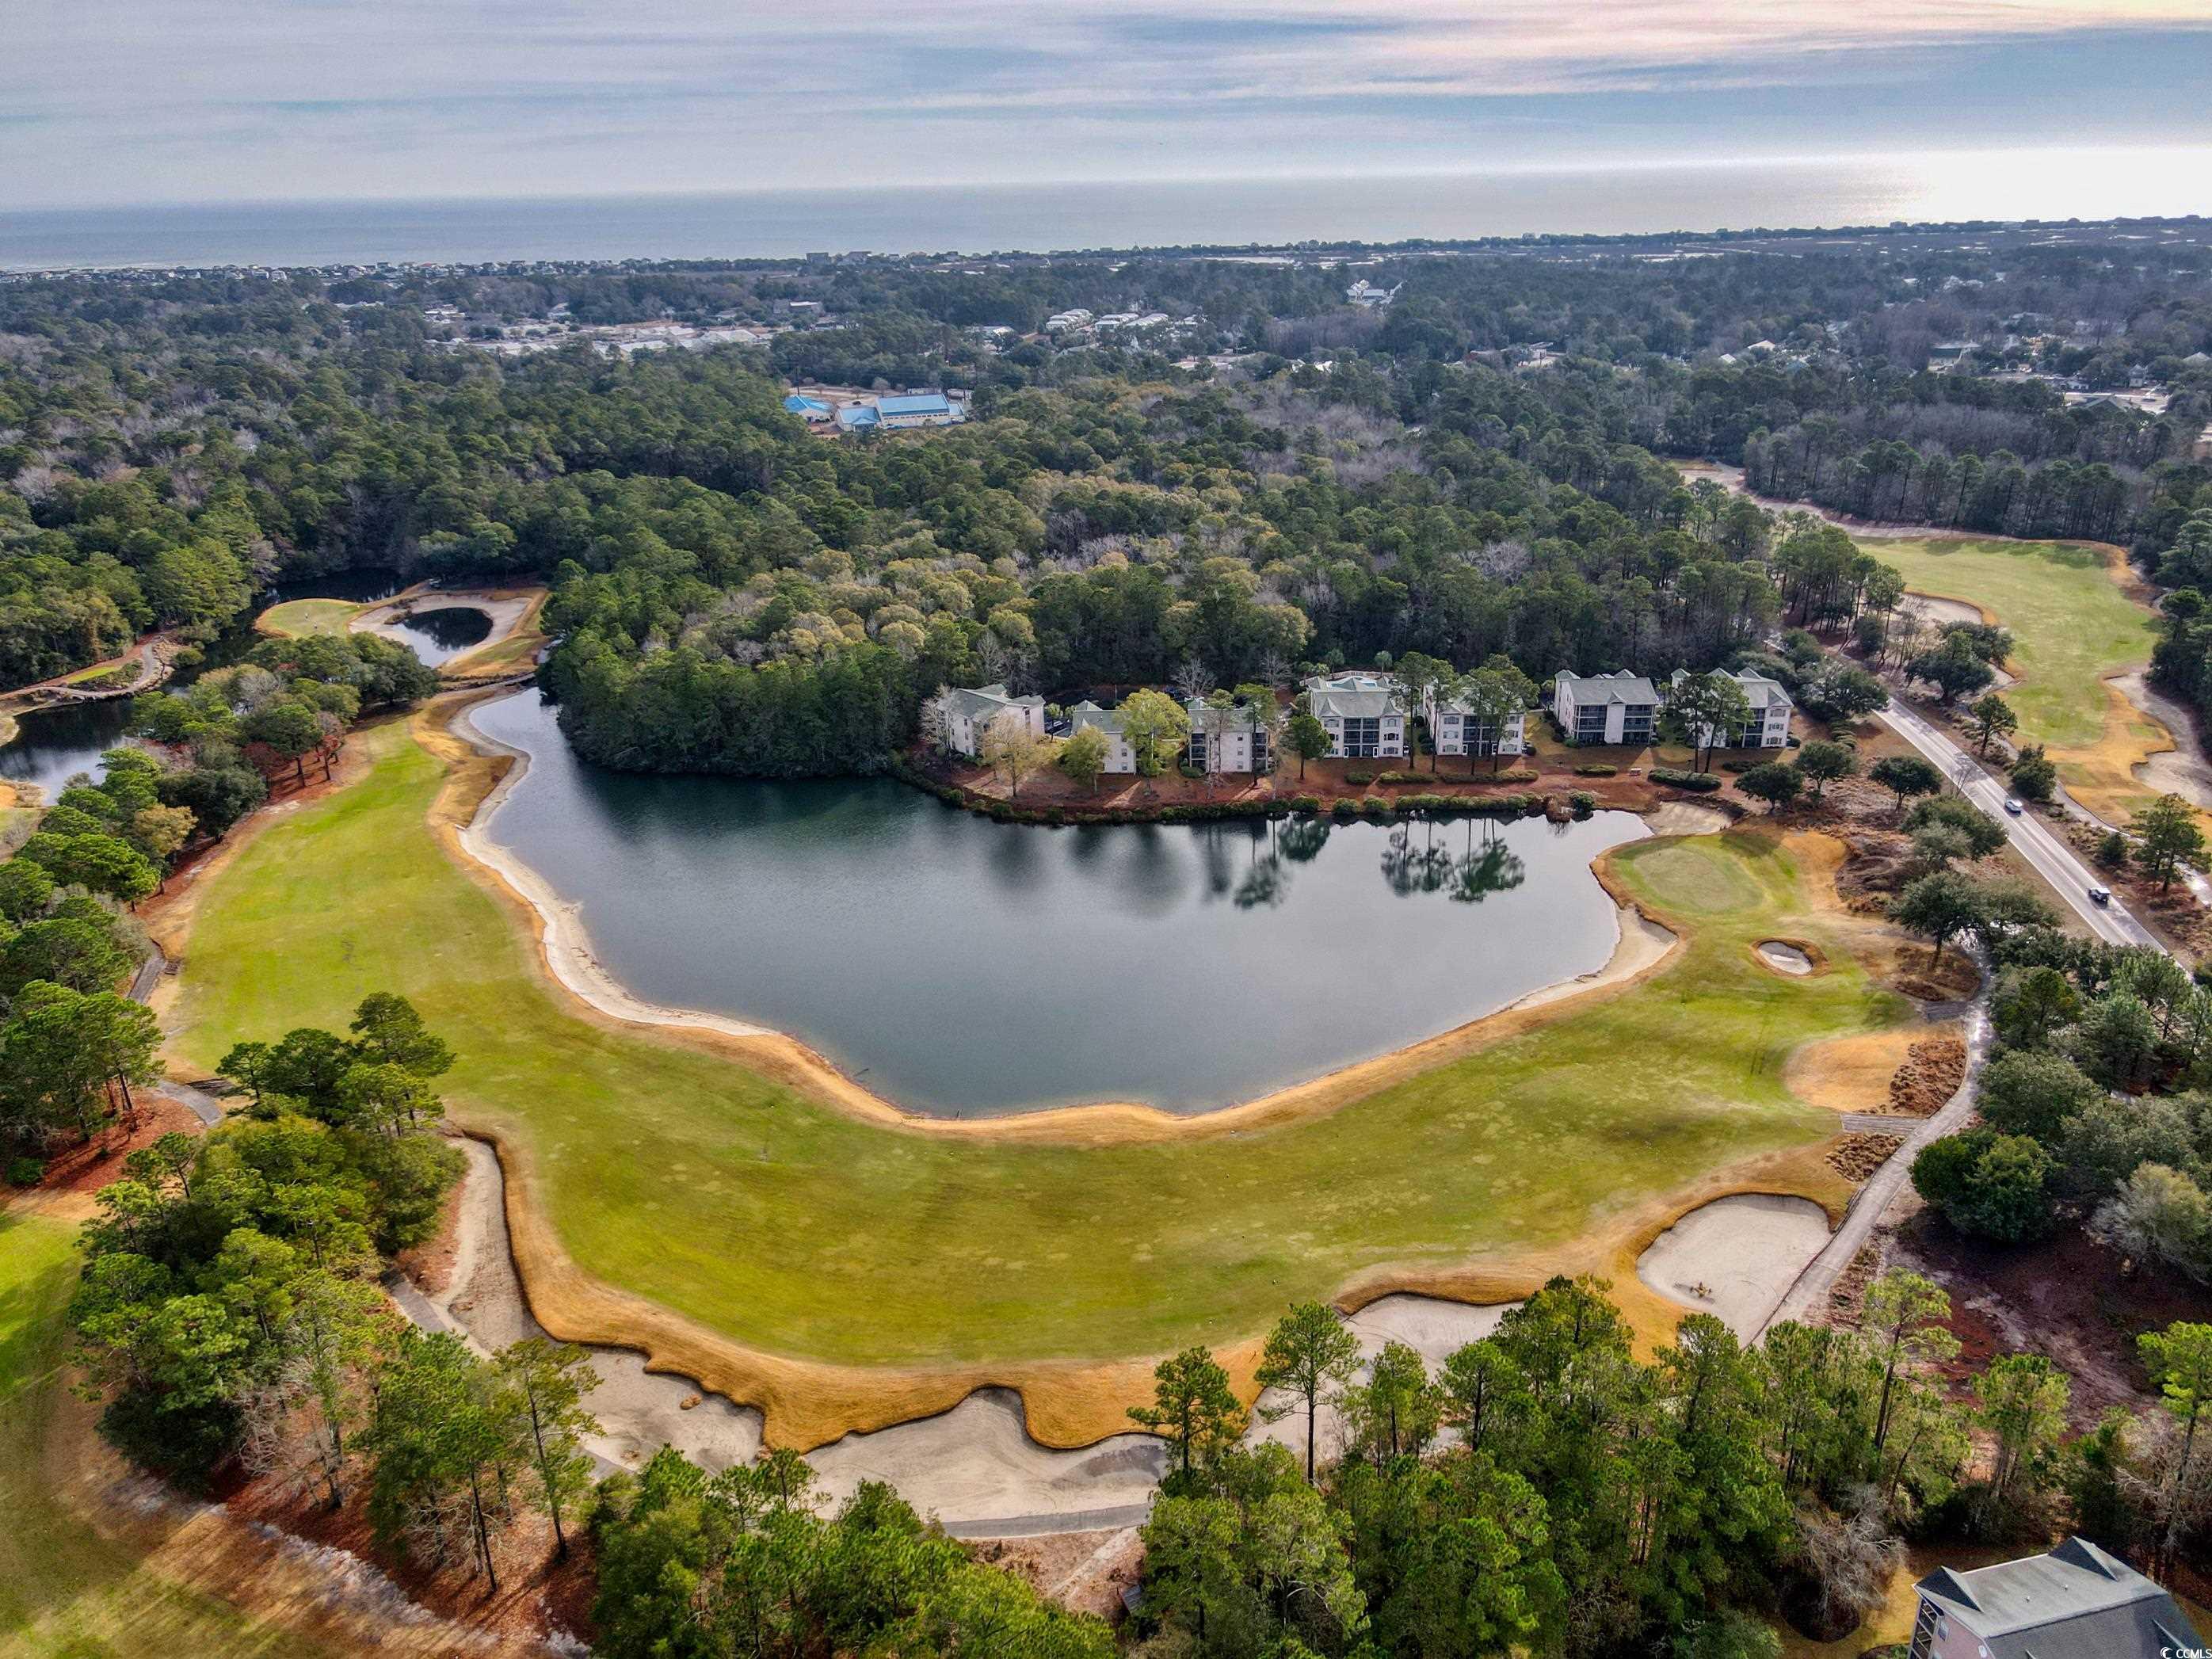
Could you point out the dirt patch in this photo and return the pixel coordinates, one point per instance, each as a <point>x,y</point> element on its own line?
<point>1736,1257</point>
<point>1880,864</point>
<point>1083,1572</point>
<point>86,1167</point>
<point>2070,1298</point>
<point>1908,968</point>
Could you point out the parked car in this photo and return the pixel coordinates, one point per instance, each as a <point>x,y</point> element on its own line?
<point>2100,895</point>
<point>2014,807</point>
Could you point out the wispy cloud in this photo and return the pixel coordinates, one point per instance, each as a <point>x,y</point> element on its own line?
<point>140,98</point>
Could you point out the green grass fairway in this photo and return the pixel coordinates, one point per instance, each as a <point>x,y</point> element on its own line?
<point>2073,624</point>
<point>297,616</point>
<point>802,1231</point>
<point>63,1589</point>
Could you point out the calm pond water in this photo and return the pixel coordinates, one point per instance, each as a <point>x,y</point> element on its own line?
<point>438,636</point>
<point>56,743</point>
<point>966,968</point>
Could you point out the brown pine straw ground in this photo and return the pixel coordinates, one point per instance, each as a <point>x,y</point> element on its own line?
<point>1067,1403</point>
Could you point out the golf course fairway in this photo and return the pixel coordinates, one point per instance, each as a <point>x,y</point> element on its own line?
<point>710,1200</point>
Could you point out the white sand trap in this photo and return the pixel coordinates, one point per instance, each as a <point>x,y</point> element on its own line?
<point>1784,958</point>
<point>639,1411</point>
<point>977,1463</point>
<point>1431,1327</point>
<point>1736,1256</point>
<point>1685,817</point>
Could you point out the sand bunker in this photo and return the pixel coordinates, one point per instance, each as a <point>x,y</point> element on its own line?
<point>2181,770</point>
<point>976,1463</point>
<point>638,1411</point>
<point>1431,1327</point>
<point>1736,1256</point>
<point>1784,958</point>
<point>1687,818</point>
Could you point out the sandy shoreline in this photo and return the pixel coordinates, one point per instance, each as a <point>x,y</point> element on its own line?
<point>1640,947</point>
<point>567,946</point>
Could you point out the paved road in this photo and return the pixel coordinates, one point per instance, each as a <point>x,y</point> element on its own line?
<point>2052,858</point>
<point>2058,864</point>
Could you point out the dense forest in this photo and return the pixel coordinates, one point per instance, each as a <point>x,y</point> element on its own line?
<point>1308,482</point>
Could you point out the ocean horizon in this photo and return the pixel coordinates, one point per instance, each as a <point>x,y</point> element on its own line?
<point>1623,200</point>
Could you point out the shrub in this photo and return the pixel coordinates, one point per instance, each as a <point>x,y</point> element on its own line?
<point>1345,808</point>
<point>1987,1183</point>
<point>1582,800</point>
<point>1510,774</point>
<point>1596,769</point>
<point>1375,807</point>
<point>1704,782</point>
<point>25,1171</point>
<point>1305,802</point>
<point>1358,780</point>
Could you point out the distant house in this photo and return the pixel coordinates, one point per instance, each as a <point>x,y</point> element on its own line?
<point>809,410</point>
<point>1242,740</point>
<point>968,714</point>
<point>1454,730</point>
<point>857,417</point>
<point>1371,295</point>
<point>1120,757</point>
<point>1768,726</point>
<point>2076,1602</point>
<point>1365,715</point>
<point>1059,321</point>
<point>1615,708</point>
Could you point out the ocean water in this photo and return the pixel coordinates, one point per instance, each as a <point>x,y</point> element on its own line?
<point>780,224</point>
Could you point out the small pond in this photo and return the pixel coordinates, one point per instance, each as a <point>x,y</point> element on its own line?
<point>966,968</point>
<point>54,744</point>
<point>57,743</point>
<point>438,635</point>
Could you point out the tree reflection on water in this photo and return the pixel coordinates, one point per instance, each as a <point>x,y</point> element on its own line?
<point>1411,864</point>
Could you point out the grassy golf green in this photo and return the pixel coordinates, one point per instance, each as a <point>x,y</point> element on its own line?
<point>65,1590</point>
<point>296,618</point>
<point>802,1230</point>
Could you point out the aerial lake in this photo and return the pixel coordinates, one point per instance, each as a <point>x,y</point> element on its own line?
<point>966,968</point>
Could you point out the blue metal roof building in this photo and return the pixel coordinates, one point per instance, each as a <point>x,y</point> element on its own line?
<point>811,409</point>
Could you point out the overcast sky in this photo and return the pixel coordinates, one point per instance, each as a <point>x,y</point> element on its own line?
<point>146,101</point>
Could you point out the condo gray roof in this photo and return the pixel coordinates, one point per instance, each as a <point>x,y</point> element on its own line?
<point>2076,1602</point>
<point>1354,696</point>
<point>1623,687</point>
<point>1759,689</point>
<point>985,701</point>
<point>1087,713</point>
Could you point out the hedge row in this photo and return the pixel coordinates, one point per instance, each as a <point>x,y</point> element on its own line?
<point>1681,779</point>
<point>1595,769</point>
